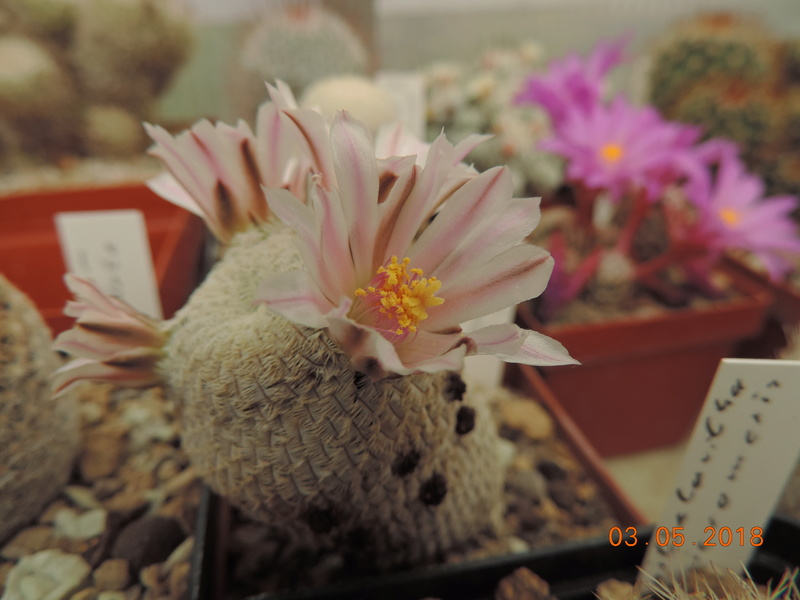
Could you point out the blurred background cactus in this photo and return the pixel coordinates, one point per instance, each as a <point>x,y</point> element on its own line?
<point>736,78</point>
<point>465,98</point>
<point>77,78</point>
<point>38,435</point>
<point>297,42</point>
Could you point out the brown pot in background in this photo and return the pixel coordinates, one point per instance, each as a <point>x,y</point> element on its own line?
<point>30,254</point>
<point>641,382</point>
<point>784,313</point>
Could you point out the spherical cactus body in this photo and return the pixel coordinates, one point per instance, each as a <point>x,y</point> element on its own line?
<point>706,47</point>
<point>277,420</point>
<point>38,435</point>
<point>298,45</point>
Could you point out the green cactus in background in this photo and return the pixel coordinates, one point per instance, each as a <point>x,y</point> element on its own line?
<point>737,80</point>
<point>296,44</point>
<point>732,110</point>
<point>704,48</point>
<point>38,435</point>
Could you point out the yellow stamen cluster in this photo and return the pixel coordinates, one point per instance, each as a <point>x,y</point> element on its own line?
<point>730,216</point>
<point>611,152</point>
<point>404,294</point>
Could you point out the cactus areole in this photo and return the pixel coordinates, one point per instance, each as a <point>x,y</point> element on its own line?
<point>317,366</point>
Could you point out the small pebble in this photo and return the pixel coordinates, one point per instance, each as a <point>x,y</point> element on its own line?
<point>112,595</point>
<point>112,574</point>
<point>80,526</point>
<point>528,417</point>
<point>522,584</point>
<point>82,497</point>
<point>182,553</point>
<point>89,593</point>
<point>28,541</point>
<point>103,450</point>
<point>46,575</point>
<point>149,539</point>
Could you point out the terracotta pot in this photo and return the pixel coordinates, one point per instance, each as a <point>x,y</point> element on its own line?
<point>783,313</point>
<point>213,526</point>
<point>641,382</point>
<point>30,254</point>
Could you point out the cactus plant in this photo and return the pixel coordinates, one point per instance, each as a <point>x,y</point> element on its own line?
<point>38,435</point>
<point>746,115</point>
<point>71,73</point>
<point>317,372</point>
<point>124,51</point>
<point>296,43</point>
<point>706,46</point>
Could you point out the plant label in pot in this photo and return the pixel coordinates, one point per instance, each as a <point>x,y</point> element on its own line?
<point>743,449</point>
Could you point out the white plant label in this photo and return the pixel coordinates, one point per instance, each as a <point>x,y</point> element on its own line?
<point>111,249</point>
<point>743,449</point>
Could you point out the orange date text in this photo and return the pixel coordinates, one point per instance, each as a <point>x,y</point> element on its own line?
<point>674,536</point>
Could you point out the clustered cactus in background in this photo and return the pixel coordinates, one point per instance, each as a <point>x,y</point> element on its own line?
<point>463,99</point>
<point>738,80</point>
<point>38,435</point>
<point>77,78</point>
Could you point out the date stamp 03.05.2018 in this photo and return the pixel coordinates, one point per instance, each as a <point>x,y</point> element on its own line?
<point>666,536</point>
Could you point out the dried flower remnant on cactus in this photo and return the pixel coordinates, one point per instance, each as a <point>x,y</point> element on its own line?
<point>218,171</point>
<point>392,300</point>
<point>112,341</point>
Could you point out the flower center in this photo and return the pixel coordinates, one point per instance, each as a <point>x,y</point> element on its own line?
<point>611,152</point>
<point>401,296</point>
<point>730,216</point>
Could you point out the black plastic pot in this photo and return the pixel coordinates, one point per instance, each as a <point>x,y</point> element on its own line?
<point>573,569</point>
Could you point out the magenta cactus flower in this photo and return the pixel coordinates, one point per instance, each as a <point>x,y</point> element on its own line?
<point>734,214</point>
<point>573,83</point>
<point>619,148</point>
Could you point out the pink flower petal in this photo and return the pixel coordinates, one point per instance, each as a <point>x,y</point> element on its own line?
<point>357,182</point>
<point>134,370</point>
<point>422,199</point>
<point>510,343</point>
<point>281,95</point>
<point>314,134</point>
<point>330,222</point>
<point>430,352</point>
<point>369,352</point>
<point>402,179</point>
<point>474,202</point>
<point>518,274</point>
<point>496,234</point>
<point>468,144</point>
<point>295,296</point>
<point>107,320</point>
<point>166,186</point>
